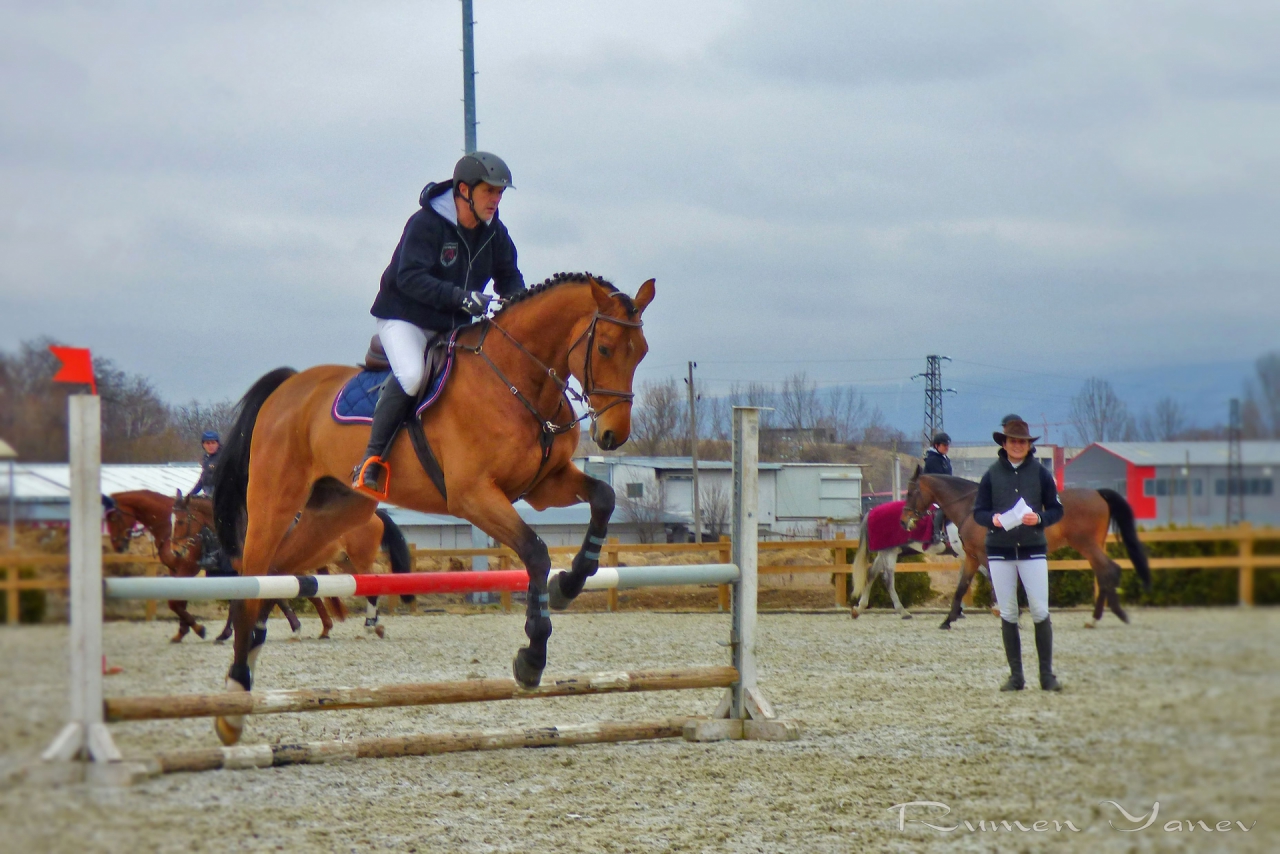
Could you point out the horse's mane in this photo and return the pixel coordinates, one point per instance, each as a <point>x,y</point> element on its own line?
<point>568,278</point>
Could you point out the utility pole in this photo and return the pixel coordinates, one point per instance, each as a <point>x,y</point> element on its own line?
<point>468,77</point>
<point>1235,467</point>
<point>693,453</point>
<point>933,392</point>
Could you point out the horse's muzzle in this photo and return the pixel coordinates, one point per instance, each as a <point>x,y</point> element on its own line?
<point>608,441</point>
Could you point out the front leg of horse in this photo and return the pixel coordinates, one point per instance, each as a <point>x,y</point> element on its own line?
<point>563,487</point>
<point>186,622</point>
<point>531,660</point>
<point>962,587</point>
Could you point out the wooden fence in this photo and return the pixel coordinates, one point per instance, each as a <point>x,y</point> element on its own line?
<point>614,552</point>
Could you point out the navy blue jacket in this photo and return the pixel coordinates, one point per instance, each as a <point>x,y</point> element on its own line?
<point>936,462</point>
<point>1000,489</point>
<point>436,263</point>
<point>208,464</point>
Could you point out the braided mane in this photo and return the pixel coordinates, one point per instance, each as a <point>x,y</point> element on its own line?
<point>568,278</point>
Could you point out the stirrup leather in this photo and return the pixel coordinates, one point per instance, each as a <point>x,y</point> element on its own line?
<point>363,471</point>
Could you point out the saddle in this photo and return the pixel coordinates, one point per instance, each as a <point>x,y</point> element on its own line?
<point>358,397</point>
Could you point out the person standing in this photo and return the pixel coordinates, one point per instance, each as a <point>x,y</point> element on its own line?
<point>1018,550</point>
<point>450,250</point>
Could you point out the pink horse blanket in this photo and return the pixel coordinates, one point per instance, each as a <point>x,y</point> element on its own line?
<point>885,531</point>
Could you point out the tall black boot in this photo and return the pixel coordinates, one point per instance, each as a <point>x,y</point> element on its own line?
<point>394,405</point>
<point>1044,649</point>
<point>1012,651</point>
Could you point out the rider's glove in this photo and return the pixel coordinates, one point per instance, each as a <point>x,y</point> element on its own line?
<point>475,303</point>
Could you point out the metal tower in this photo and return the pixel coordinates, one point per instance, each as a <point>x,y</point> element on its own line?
<point>1235,467</point>
<point>933,392</point>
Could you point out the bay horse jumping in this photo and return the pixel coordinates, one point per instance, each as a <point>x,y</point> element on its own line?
<point>1087,518</point>
<point>127,514</point>
<point>355,551</point>
<point>502,428</point>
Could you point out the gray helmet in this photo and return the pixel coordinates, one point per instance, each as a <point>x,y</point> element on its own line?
<point>941,439</point>
<point>482,166</point>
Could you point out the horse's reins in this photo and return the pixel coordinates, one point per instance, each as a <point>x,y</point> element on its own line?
<point>916,516</point>
<point>548,427</point>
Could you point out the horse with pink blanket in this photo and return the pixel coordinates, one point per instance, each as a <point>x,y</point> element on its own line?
<point>883,535</point>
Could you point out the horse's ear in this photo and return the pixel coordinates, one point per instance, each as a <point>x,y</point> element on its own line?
<point>108,503</point>
<point>644,296</point>
<point>604,299</point>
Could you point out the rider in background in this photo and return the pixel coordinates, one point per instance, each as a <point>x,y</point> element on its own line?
<point>451,248</point>
<point>936,461</point>
<point>211,442</point>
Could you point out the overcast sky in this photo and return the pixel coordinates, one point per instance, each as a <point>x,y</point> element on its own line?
<point>1042,191</point>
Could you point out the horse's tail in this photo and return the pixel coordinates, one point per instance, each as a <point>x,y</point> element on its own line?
<point>1122,515</point>
<point>860,559</point>
<point>231,476</point>
<point>396,547</point>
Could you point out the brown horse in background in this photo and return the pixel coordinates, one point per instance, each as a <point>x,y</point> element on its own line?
<point>355,551</point>
<point>127,513</point>
<point>503,429</point>
<point>1087,518</point>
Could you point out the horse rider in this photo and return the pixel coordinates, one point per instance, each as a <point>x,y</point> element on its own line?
<point>451,248</point>
<point>1017,547</point>
<point>936,461</point>
<point>211,443</point>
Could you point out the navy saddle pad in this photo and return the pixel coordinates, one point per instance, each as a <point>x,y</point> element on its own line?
<point>356,400</point>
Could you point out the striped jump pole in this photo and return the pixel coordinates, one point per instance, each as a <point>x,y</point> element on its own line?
<point>293,586</point>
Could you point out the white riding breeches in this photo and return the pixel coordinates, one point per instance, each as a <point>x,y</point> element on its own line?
<point>1035,580</point>
<point>406,346</point>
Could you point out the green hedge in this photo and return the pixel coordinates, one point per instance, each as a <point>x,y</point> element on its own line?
<point>913,587</point>
<point>31,603</point>
<point>1169,587</point>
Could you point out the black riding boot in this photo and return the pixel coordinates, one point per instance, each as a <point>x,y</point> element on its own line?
<point>393,408</point>
<point>1013,652</point>
<point>1044,649</point>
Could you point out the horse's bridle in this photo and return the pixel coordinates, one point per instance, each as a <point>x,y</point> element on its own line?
<point>137,529</point>
<point>549,428</point>
<point>916,515</point>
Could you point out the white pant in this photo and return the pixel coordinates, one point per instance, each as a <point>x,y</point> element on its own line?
<point>1035,580</point>
<point>405,345</point>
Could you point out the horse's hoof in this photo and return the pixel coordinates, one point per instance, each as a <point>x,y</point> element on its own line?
<point>200,632</point>
<point>526,674</point>
<point>995,612</point>
<point>556,596</point>
<point>946,624</point>
<point>1124,618</point>
<point>906,616</point>
<point>960,616</point>
<point>176,639</point>
<point>853,613</point>
<point>324,636</point>
<point>219,640</point>
<point>381,632</point>
<point>1090,624</point>
<point>296,637</point>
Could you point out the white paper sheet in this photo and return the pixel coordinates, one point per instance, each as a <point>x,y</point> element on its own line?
<point>1012,517</point>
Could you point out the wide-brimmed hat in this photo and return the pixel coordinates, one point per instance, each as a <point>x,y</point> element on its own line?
<point>1013,428</point>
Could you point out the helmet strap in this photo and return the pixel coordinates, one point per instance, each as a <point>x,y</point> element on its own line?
<point>471,204</point>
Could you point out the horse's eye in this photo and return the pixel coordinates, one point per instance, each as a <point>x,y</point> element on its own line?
<point>604,351</point>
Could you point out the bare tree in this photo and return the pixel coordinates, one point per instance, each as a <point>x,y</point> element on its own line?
<point>659,417</point>
<point>1262,398</point>
<point>1166,422</point>
<point>846,414</point>
<point>647,511</point>
<point>1098,414</point>
<point>715,510</point>
<point>798,405</point>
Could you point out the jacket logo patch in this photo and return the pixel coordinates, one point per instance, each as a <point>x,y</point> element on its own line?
<point>449,254</point>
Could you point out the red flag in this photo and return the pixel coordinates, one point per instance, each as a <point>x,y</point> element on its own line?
<point>77,366</point>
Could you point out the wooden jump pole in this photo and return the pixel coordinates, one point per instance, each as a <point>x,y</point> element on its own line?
<point>315,752</point>
<point>421,694</point>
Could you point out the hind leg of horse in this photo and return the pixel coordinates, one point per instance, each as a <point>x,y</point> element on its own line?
<point>873,572</point>
<point>565,487</point>
<point>1107,573</point>
<point>491,511</point>
<point>326,621</point>
<point>890,567</point>
<point>271,510</point>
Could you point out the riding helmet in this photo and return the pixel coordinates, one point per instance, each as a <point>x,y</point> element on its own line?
<point>210,436</point>
<point>482,166</point>
<point>941,439</point>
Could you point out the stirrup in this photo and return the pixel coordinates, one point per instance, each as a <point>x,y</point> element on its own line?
<point>362,471</point>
